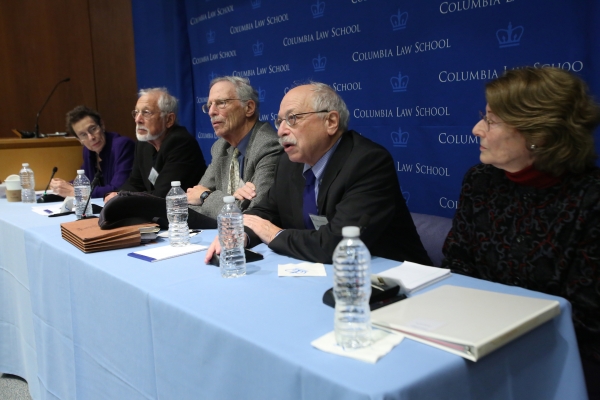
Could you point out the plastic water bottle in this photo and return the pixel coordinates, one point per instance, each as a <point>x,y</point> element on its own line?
<point>352,290</point>
<point>83,190</point>
<point>177,213</point>
<point>231,237</point>
<point>27,184</point>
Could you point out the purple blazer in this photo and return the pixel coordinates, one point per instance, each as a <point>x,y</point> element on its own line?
<point>117,159</point>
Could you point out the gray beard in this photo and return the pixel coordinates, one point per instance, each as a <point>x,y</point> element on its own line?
<point>147,137</point>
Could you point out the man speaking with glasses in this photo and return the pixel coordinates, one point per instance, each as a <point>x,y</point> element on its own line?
<point>165,151</point>
<point>103,151</point>
<point>330,178</point>
<point>244,158</point>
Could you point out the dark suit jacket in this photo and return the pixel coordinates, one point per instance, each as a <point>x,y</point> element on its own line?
<point>179,159</point>
<point>360,178</point>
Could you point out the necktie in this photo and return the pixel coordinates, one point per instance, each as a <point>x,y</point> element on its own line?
<point>234,172</point>
<point>309,205</point>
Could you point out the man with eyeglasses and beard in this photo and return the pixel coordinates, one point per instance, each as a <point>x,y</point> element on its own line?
<point>165,151</point>
<point>331,177</point>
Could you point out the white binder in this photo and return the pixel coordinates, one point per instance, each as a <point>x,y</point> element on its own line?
<point>464,321</point>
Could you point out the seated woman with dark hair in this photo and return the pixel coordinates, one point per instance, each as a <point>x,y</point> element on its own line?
<point>103,151</point>
<point>529,215</point>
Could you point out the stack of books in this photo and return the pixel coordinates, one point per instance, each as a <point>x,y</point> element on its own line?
<point>87,236</point>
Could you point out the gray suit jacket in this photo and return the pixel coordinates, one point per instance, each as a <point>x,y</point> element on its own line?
<point>260,160</point>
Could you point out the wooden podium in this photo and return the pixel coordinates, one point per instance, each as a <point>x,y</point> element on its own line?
<point>65,153</point>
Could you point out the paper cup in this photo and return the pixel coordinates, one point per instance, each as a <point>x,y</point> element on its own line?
<point>13,195</point>
<point>13,188</point>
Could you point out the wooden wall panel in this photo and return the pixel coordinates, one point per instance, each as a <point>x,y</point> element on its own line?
<point>114,63</point>
<point>42,42</point>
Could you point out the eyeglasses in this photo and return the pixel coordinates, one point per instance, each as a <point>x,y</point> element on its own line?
<point>91,131</point>
<point>220,104</point>
<point>291,119</point>
<point>146,114</point>
<point>487,120</point>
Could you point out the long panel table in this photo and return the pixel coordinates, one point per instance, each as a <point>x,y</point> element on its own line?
<point>105,325</point>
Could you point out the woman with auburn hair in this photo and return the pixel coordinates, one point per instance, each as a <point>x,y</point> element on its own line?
<point>529,215</point>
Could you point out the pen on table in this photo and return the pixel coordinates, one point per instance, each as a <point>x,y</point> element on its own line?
<point>61,214</point>
<point>377,287</point>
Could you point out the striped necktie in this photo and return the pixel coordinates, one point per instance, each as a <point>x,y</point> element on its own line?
<point>234,172</point>
<point>309,204</point>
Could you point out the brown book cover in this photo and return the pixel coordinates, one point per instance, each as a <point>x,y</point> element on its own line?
<point>86,235</point>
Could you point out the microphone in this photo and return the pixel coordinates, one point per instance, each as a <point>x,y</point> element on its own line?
<point>49,198</point>
<point>363,222</point>
<point>36,132</point>
<point>244,204</point>
<point>51,176</point>
<point>94,184</point>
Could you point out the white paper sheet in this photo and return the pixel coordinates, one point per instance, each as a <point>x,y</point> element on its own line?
<point>301,269</point>
<point>164,252</point>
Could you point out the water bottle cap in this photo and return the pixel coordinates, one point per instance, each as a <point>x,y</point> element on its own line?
<point>351,231</point>
<point>26,164</point>
<point>228,199</point>
<point>80,172</point>
<point>175,183</point>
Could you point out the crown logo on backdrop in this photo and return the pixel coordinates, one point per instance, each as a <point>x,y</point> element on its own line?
<point>319,63</point>
<point>405,194</point>
<point>210,36</point>
<point>399,20</point>
<point>258,48</point>
<point>262,93</point>
<point>509,37</point>
<point>255,3</point>
<point>400,139</point>
<point>400,83</point>
<point>318,9</point>
<point>212,76</point>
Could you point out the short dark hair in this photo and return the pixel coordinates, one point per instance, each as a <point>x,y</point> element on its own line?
<point>79,113</point>
<point>553,110</point>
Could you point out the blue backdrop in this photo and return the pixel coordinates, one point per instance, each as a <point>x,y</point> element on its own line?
<point>411,72</point>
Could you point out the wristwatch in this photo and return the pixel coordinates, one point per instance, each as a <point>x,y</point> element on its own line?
<point>203,196</point>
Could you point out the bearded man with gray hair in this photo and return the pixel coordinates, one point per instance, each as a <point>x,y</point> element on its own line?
<point>165,151</point>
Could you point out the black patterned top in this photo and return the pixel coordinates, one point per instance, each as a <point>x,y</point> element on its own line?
<point>547,240</point>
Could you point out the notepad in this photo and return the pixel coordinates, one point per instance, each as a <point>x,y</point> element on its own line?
<point>164,252</point>
<point>412,277</point>
<point>469,322</point>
